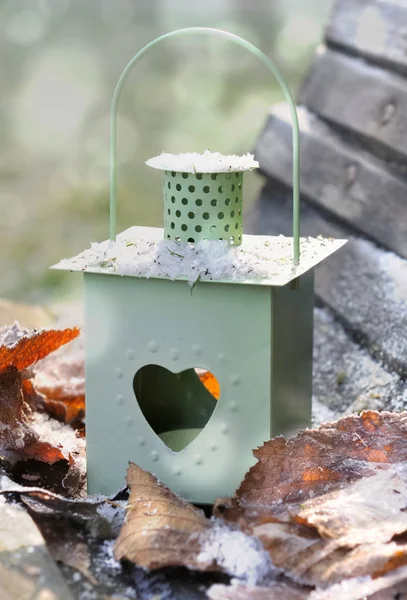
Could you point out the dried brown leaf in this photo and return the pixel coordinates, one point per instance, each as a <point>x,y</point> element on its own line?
<point>276,591</point>
<point>78,533</point>
<point>392,586</point>
<point>322,459</point>
<point>102,516</point>
<point>368,511</point>
<point>329,504</point>
<point>60,378</point>
<point>161,530</point>
<point>67,544</point>
<point>33,346</point>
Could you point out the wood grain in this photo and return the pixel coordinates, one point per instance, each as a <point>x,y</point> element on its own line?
<point>364,286</point>
<point>362,99</point>
<point>353,185</point>
<point>374,29</point>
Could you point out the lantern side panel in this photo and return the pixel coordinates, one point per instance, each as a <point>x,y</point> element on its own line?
<point>132,323</point>
<point>293,319</point>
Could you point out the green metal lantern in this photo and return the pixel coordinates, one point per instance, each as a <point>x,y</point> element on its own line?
<point>163,304</point>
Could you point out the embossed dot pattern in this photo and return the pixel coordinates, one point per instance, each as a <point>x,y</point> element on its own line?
<point>175,354</point>
<point>152,346</point>
<point>222,359</point>
<point>235,380</point>
<point>201,206</point>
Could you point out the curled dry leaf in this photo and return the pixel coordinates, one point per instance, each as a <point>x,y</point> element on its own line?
<point>102,516</point>
<point>161,530</point>
<point>67,544</point>
<point>78,532</point>
<point>60,378</point>
<point>392,586</point>
<point>239,591</point>
<point>20,350</point>
<point>329,504</point>
<point>318,460</point>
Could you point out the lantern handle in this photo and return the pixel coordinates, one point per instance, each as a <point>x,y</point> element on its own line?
<point>271,67</point>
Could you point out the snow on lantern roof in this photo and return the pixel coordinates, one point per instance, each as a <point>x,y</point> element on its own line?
<point>259,260</point>
<point>208,162</point>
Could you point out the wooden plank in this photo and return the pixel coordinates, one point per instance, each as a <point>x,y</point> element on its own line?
<point>365,100</point>
<point>374,29</point>
<point>353,185</point>
<point>365,287</point>
<point>26,569</point>
<point>346,379</point>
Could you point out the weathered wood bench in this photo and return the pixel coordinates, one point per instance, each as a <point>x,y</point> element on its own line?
<point>353,119</point>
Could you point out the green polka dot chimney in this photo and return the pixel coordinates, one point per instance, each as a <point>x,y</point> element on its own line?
<point>199,206</point>
<point>151,336</point>
<point>202,203</point>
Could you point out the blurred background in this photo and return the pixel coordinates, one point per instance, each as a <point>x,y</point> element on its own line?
<point>60,60</point>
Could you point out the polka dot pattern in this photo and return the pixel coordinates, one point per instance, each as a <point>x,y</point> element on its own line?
<point>203,206</point>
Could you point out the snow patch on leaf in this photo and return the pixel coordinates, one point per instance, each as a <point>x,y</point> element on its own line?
<point>239,555</point>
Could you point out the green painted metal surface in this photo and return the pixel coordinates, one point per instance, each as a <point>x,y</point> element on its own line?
<point>293,319</point>
<point>131,323</point>
<point>203,206</point>
<point>231,331</point>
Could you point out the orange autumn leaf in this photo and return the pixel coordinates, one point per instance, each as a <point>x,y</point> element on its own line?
<point>33,346</point>
<point>22,435</point>
<point>60,378</point>
<point>210,382</point>
<point>43,451</point>
<point>69,411</point>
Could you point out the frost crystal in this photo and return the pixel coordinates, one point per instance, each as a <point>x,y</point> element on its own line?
<point>239,555</point>
<point>142,252</point>
<point>208,162</point>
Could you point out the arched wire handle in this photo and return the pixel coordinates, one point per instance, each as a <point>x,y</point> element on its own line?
<point>271,67</point>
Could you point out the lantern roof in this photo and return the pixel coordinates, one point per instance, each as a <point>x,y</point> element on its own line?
<point>208,162</point>
<point>259,260</point>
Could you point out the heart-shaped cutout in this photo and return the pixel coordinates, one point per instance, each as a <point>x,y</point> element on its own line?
<point>177,406</point>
